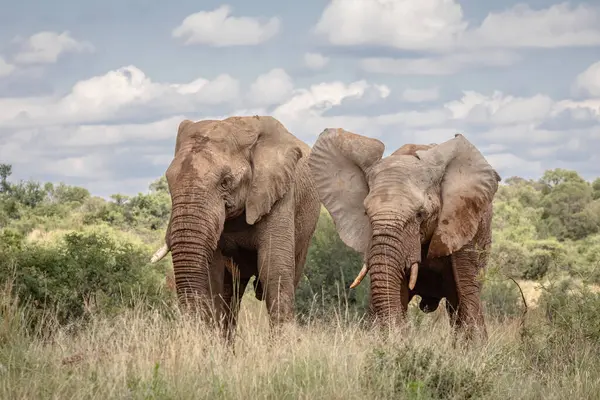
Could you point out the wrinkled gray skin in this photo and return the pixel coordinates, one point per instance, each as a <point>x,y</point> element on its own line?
<point>425,204</point>
<point>241,190</point>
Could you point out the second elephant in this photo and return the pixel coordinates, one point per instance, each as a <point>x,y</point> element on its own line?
<point>420,217</point>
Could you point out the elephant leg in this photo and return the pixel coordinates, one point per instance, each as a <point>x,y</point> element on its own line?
<point>300,260</point>
<point>214,312</point>
<point>276,273</point>
<point>276,265</point>
<point>466,266</point>
<point>452,311</point>
<point>233,290</point>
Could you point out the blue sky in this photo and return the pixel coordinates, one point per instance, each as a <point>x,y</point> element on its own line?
<point>92,93</point>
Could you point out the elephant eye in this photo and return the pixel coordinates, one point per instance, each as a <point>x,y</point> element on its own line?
<point>226,182</point>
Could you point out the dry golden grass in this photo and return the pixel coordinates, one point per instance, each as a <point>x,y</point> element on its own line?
<point>148,356</point>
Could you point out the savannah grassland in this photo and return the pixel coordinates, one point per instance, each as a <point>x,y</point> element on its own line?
<point>83,315</point>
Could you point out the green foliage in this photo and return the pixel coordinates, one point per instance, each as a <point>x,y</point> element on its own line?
<point>501,299</point>
<point>97,268</point>
<point>596,189</point>
<point>570,211</point>
<point>539,226</point>
<point>586,259</point>
<point>5,172</point>
<point>415,372</point>
<point>331,266</point>
<point>572,311</point>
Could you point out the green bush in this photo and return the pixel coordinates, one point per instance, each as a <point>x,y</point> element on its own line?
<point>98,269</point>
<point>501,299</point>
<point>543,257</point>
<point>586,259</point>
<point>529,259</point>
<point>414,372</point>
<point>330,268</point>
<point>572,311</point>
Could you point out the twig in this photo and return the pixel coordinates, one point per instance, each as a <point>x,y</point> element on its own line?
<point>523,298</point>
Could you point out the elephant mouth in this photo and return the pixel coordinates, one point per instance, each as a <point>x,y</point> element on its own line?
<point>412,273</point>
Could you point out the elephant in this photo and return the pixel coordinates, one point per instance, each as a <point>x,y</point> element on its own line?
<point>244,205</point>
<point>420,217</point>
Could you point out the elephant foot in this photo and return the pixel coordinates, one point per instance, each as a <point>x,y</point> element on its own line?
<point>429,304</point>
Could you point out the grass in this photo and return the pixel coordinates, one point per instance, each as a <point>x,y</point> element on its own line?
<point>147,355</point>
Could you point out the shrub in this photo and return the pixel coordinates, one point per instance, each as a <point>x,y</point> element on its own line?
<point>543,256</point>
<point>501,299</point>
<point>528,259</point>
<point>330,268</point>
<point>572,310</point>
<point>416,372</point>
<point>95,268</point>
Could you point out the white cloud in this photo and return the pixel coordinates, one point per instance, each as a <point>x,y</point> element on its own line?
<point>102,135</point>
<point>118,92</point>
<point>5,68</point>
<point>439,25</point>
<point>323,96</point>
<point>218,28</point>
<point>560,25</point>
<point>315,60</point>
<point>511,165</point>
<point>404,24</point>
<point>46,47</point>
<point>420,95</point>
<point>87,166</point>
<point>271,88</point>
<point>591,105</point>
<point>500,109</point>
<point>441,65</point>
<point>587,83</point>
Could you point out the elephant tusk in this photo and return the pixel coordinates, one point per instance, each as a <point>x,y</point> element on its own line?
<point>359,277</point>
<point>414,271</point>
<point>160,254</point>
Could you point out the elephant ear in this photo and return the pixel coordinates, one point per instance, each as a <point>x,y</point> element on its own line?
<point>274,154</point>
<point>468,186</point>
<point>411,149</point>
<point>338,161</point>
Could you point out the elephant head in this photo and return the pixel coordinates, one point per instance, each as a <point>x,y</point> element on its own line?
<point>389,209</point>
<point>222,169</point>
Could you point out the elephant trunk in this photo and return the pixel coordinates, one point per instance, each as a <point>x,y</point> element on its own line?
<point>194,230</point>
<point>389,264</point>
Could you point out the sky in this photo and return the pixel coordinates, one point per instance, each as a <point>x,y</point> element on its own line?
<point>91,93</point>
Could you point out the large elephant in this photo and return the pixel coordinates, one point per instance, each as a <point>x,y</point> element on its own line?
<point>423,211</point>
<point>244,204</point>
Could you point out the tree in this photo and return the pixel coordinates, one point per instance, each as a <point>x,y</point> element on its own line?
<point>555,177</point>
<point>119,199</point>
<point>67,194</point>
<point>596,188</point>
<point>565,203</point>
<point>5,172</point>
<point>160,185</point>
